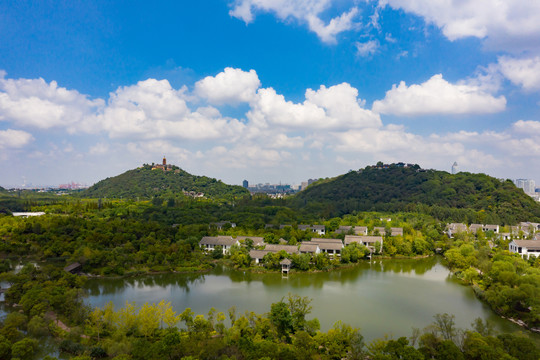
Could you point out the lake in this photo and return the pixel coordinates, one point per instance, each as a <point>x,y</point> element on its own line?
<point>384,297</point>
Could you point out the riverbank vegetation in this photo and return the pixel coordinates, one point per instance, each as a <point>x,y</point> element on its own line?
<point>508,283</point>
<point>156,331</point>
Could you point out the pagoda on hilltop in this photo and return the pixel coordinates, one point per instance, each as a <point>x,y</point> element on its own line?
<point>163,166</point>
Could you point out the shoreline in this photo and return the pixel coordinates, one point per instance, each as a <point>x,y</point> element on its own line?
<point>518,322</point>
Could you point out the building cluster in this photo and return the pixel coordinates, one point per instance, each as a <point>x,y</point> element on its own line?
<point>163,166</point>
<point>517,235</point>
<point>372,240</point>
<point>276,190</point>
<point>273,190</point>
<point>528,185</point>
<point>380,165</point>
<point>529,188</point>
<point>72,186</point>
<point>28,214</point>
<point>305,184</point>
<point>318,245</point>
<point>332,247</point>
<point>193,194</point>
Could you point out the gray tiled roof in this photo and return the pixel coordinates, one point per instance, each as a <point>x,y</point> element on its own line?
<point>257,254</point>
<point>257,240</point>
<point>321,240</point>
<point>349,239</point>
<point>218,240</point>
<point>360,230</point>
<point>289,249</point>
<point>306,247</point>
<point>529,244</point>
<point>343,228</point>
<point>330,246</point>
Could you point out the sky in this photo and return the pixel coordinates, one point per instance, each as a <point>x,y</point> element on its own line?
<point>267,90</point>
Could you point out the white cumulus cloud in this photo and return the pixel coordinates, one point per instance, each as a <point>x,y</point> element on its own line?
<point>524,72</point>
<point>529,127</point>
<point>38,104</point>
<point>304,11</point>
<point>335,107</point>
<point>13,139</point>
<point>152,109</point>
<point>438,96</point>
<point>229,87</point>
<point>512,25</point>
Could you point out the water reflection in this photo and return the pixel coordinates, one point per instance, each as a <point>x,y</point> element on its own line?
<point>380,297</point>
<point>107,286</point>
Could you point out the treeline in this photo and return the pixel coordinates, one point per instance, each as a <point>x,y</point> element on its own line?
<point>464,197</point>
<point>25,201</point>
<point>119,237</point>
<point>108,246</point>
<point>461,197</point>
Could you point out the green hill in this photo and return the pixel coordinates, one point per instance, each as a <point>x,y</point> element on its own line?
<point>146,183</point>
<point>462,197</point>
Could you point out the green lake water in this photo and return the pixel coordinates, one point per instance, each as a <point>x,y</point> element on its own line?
<point>386,297</point>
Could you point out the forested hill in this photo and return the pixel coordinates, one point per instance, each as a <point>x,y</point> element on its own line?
<point>144,182</point>
<point>462,197</point>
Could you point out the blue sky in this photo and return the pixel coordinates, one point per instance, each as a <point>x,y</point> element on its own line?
<point>267,90</point>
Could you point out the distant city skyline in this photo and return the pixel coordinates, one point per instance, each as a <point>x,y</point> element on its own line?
<point>525,184</point>
<point>268,91</point>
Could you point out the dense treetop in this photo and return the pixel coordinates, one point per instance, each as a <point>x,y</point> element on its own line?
<point>144,182</point>
<point>396,188</point>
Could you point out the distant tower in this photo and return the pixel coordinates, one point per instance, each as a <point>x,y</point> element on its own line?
<point>245,184</point>
<point>455,168</point>
<point>164,161</point>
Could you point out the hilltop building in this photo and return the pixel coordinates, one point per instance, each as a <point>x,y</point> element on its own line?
<point>163,166</point>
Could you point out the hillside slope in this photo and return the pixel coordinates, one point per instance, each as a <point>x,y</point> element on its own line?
<point>461,197</point>
<point>144,182</point>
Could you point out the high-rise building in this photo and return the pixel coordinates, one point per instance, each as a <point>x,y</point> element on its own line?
<point>455,168</point>
<point>527,185</point>
<point>245,184</point>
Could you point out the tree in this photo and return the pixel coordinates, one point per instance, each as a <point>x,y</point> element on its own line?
<point>446,326</point>
<point>483,328</point>
<point>5,348</point>
<point>149,318</point>
<point>24,349</point>
<point>281,318</point>
<point>299,307</point>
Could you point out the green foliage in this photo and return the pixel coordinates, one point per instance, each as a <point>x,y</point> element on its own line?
<point>281,318</point>
<point>145,183</point>
<point>24,349</point>
<point>464,197</point>
<point>5,348</point>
